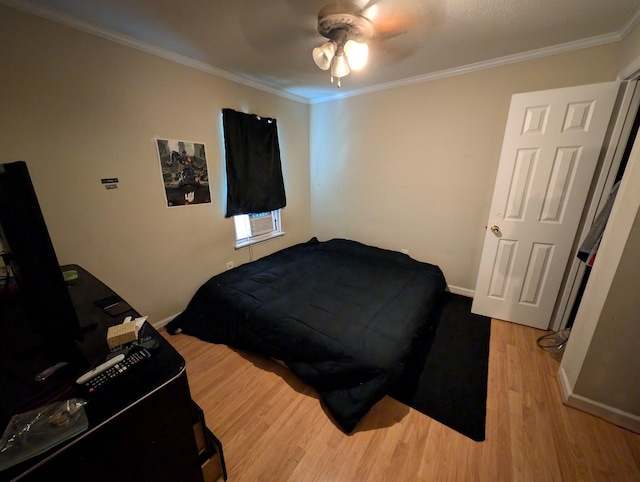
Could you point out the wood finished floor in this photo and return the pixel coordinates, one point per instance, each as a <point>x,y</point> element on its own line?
<point>273,429</point>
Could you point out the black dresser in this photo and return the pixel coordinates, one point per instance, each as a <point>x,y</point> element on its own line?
<point>143,424</point>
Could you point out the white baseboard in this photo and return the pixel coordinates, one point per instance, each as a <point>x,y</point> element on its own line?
<point>565,386</point>
<point>158,325</point>
<point>613,415</point>
<point>461,291</point>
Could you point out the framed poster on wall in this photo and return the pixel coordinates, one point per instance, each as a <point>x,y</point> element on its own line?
<point>184,172</point>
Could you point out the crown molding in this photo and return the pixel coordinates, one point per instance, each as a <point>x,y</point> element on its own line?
<point>65,19</point>
<point>630,25</point>
<point>498,62</point>
<point>128,41</point>
<point>488,64</point>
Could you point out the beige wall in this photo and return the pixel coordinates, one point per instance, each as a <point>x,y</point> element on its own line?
<point>615,344</point>
<point>414,167</point>
<point>78,108</point>
<point>599,367</point>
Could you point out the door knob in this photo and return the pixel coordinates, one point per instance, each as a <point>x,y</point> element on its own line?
<point>495,229</point>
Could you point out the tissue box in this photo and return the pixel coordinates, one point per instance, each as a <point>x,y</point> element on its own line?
<point>120,334</point>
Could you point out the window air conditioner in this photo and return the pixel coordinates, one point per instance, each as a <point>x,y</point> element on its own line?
<point>261,223</point>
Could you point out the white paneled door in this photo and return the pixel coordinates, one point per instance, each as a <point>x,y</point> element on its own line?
<point>550,151</point>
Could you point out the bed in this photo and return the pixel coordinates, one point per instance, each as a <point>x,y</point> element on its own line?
<point>343,316</point>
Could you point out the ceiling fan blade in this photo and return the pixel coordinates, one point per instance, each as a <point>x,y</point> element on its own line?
<point>390,26</point>
<point>399,17</point>
<point>389,19</point>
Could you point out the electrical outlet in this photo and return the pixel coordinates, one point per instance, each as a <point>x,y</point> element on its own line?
<point>229,264</point>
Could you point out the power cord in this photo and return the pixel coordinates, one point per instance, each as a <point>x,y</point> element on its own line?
<point>248,225</point>
<point>554,342</point>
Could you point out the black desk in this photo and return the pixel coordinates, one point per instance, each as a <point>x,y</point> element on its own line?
<point>141,425</point>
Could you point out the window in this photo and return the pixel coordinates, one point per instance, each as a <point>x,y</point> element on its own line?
<point>254,228</point>
<point>254,176</point>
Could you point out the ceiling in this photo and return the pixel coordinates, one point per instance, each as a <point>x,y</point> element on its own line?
<point>268,43</point>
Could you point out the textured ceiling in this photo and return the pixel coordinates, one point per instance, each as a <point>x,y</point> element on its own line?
<point>269,42</point>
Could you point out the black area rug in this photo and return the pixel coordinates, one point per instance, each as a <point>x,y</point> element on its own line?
<point>447,379</point>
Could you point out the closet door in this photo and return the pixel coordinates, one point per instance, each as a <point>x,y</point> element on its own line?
<point>551,147</point>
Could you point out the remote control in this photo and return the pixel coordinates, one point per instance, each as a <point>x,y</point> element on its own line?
<point>99,369</point>
<point>112,372</point>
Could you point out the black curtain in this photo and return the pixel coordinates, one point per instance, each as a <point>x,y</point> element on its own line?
<point>254,171</point>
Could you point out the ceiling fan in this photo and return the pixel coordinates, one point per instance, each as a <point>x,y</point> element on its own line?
<point>349,28</point>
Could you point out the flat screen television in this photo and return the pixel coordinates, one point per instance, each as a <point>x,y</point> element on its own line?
<point>42,290</point>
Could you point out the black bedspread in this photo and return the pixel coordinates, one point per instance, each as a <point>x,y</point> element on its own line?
<point>342,315</point>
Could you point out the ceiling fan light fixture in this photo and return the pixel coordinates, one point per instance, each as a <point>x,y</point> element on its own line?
<point>323,55</point>
<point>357,53</point>
<point>347,30</point>
<point>340,66</point>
